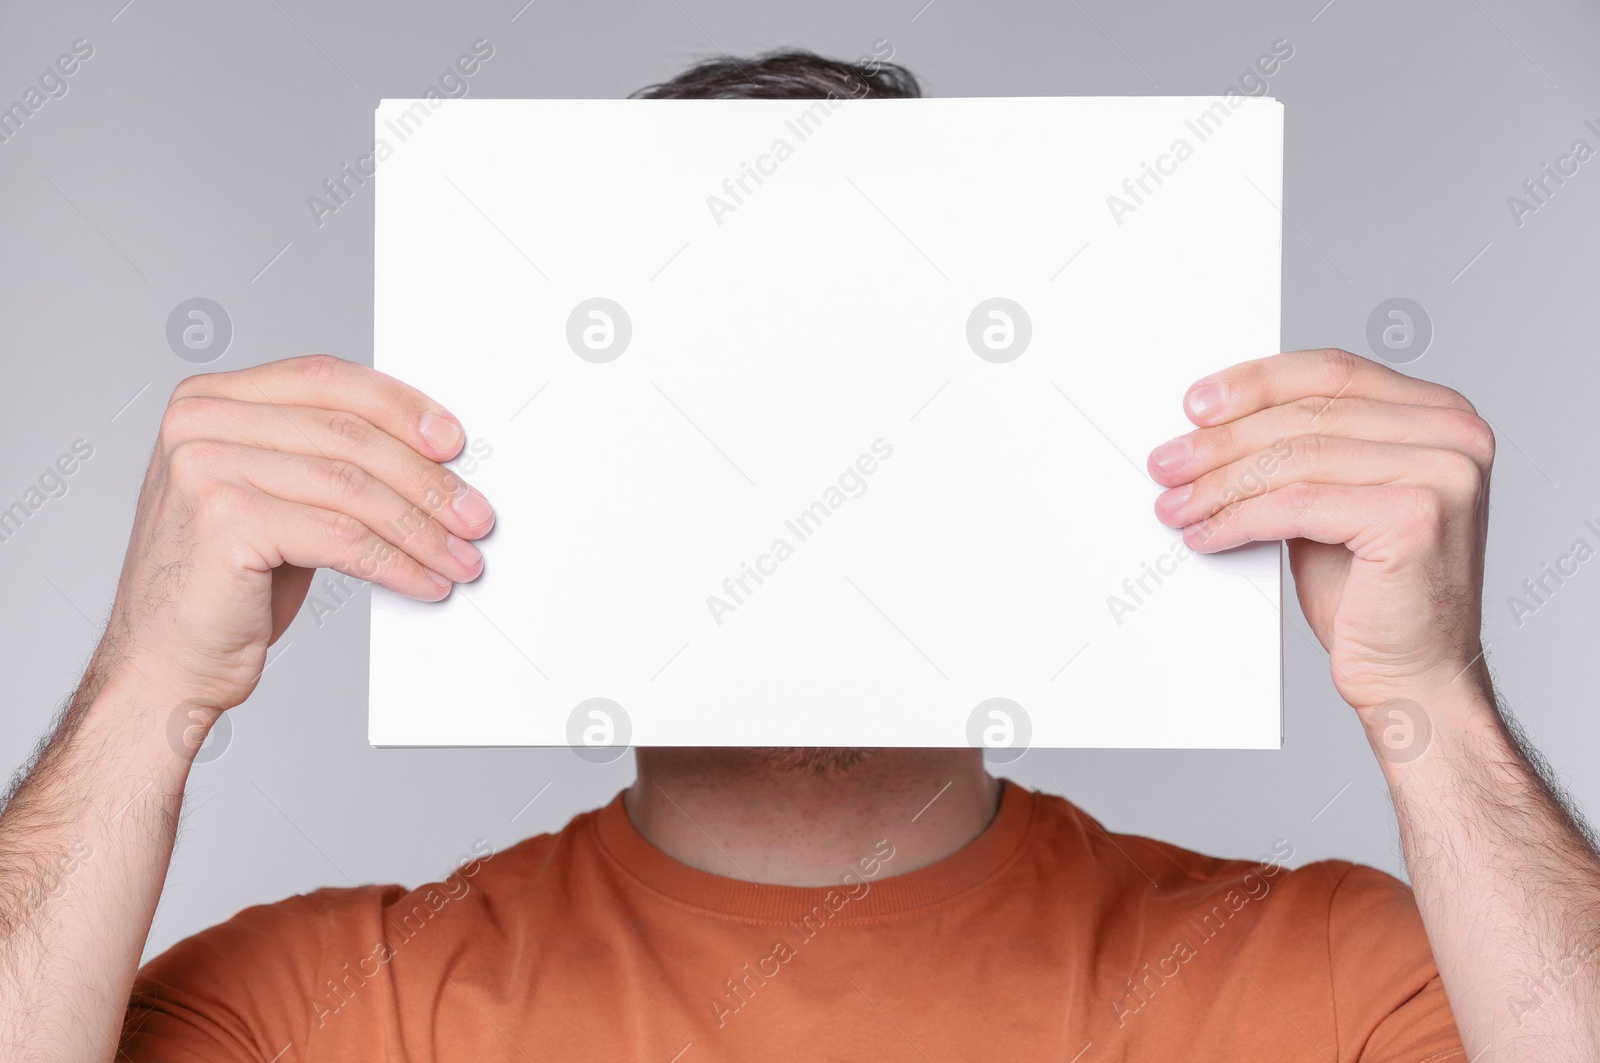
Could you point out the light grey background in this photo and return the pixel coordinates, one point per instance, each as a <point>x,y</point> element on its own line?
<point>179,163</point>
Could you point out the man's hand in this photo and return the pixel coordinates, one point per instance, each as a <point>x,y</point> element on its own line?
<point>262,476</point>
<point>1381,484</point>
<point>259,478</point>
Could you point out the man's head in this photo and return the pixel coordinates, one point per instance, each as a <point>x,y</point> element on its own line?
<point>786,75</point>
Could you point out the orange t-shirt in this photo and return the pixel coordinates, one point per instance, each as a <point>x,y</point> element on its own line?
<point>1044,938</point>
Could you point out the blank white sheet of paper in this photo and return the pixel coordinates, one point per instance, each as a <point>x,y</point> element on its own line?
<point>825,423</point>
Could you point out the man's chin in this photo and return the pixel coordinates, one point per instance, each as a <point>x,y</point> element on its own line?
<point>814,760</point>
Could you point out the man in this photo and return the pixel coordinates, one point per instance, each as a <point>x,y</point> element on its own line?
<point>811,904</point>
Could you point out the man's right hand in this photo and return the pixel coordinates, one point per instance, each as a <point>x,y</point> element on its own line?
<point>260,477</point>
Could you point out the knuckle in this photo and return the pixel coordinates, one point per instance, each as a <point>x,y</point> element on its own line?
<point>321,370</point>
<point>219,506</point>
<point>183,419</point>
<point>191,387</point>
<point>1247,377</point>
<point>366,564</point>
<point>1310,409</point>
<point>1217,441</point>
<point>193,463</point>
<point>1424,508</point>
<point>1477,437</point>
<point>350,428</point>
<point>1341,364</point>
<point>1300,496</point>
<point>1307,452</point>
<point>1228,511</point>
<point>1460,473</point>
<point>1457,401</point>
<point>444,491</point>
<point>376,559</point>
<point>347,531</point>
<point>347,480</point>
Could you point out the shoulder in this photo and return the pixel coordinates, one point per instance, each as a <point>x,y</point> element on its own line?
<point>267,974</point>
<point>283,932</point>
<point>292,933</point>
<point>1338,895</point>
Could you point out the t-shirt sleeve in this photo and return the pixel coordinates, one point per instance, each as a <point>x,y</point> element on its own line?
<point>237,992</point>
<point>1389,1005</point>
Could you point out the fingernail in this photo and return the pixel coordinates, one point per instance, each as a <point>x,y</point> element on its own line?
<point>463,551</point>
<point>442,433</point>
<point>1171,456</point>
<point>1207,400</point>
<point>439,581</point>
<point>473,508</point>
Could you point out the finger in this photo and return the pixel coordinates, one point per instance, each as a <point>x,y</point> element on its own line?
<point>1329,373</point>
<point>338,436</point>
<point>1321,459</point>
<point>330,383</point>
<point>1188,456</point>
<point>338,486</point>
<point>287,533</point>
<point>1361,517</point>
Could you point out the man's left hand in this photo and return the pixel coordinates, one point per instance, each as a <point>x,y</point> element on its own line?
<point>1379,481</point>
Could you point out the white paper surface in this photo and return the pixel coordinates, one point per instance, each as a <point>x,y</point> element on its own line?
<point>786,336</point>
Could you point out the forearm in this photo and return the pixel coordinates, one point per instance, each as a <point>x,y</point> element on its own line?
<point>84,847</point>
<point>1508,886</point>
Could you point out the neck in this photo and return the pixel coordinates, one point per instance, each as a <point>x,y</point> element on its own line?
<point>800,817</point>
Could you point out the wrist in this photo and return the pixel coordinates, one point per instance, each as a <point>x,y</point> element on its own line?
<point>1421,735</point>
<point>143,719</point>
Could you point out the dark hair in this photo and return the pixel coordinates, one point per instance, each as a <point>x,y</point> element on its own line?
<point>785,75</point>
